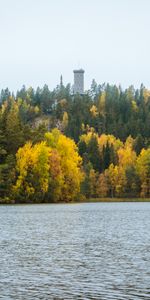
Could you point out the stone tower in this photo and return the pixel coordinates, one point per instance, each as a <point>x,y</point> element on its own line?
<point>78,87</point>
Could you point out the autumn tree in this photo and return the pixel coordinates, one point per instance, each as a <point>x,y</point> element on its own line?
<point>49,170</point>
<point>70,163</point>
<point>143,169</point>
<point>102,187</point>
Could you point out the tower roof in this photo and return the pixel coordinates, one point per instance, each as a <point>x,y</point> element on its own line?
<point>78,71</point>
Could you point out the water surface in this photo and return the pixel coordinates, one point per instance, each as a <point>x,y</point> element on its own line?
<point>75,251</point>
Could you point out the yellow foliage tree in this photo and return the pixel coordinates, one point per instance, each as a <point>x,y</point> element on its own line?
<point>92,182</point>
<point>143,169</point>
<point>70,163</point>
<point>102,186</point>
<point>146,95</point>
<point>94,111</point>
<point>111,140</point>
<point>65,120</point>
<point>102,104</point>
<point>33,169</point>
<point>116,179</point>
<point>127,157</point>
<point>50,170</point>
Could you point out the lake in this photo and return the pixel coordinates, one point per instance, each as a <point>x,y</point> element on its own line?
<point>75,251</point>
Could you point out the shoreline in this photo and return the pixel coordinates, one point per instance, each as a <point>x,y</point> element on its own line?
<point>90,200</point>
<point>96,200</point>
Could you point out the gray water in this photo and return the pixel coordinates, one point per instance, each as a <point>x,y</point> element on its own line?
<point>75,251</point>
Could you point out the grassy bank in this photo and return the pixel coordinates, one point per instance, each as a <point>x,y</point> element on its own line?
<point>88,200</point>
<point>116,200</point>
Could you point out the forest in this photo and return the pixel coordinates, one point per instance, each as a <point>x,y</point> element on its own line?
<point>56,146</point>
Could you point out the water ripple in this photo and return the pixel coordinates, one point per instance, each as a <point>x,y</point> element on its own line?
<point>75,251</point>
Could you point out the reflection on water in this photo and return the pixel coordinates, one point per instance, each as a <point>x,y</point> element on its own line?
<point>75,251</point>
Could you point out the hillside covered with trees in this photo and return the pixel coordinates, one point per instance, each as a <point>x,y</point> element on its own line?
<point>55,146</point>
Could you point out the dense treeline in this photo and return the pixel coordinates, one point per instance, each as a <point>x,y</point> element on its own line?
<point>99,149</point>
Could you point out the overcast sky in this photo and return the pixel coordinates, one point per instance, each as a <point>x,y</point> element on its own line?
<point>42,39</point>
